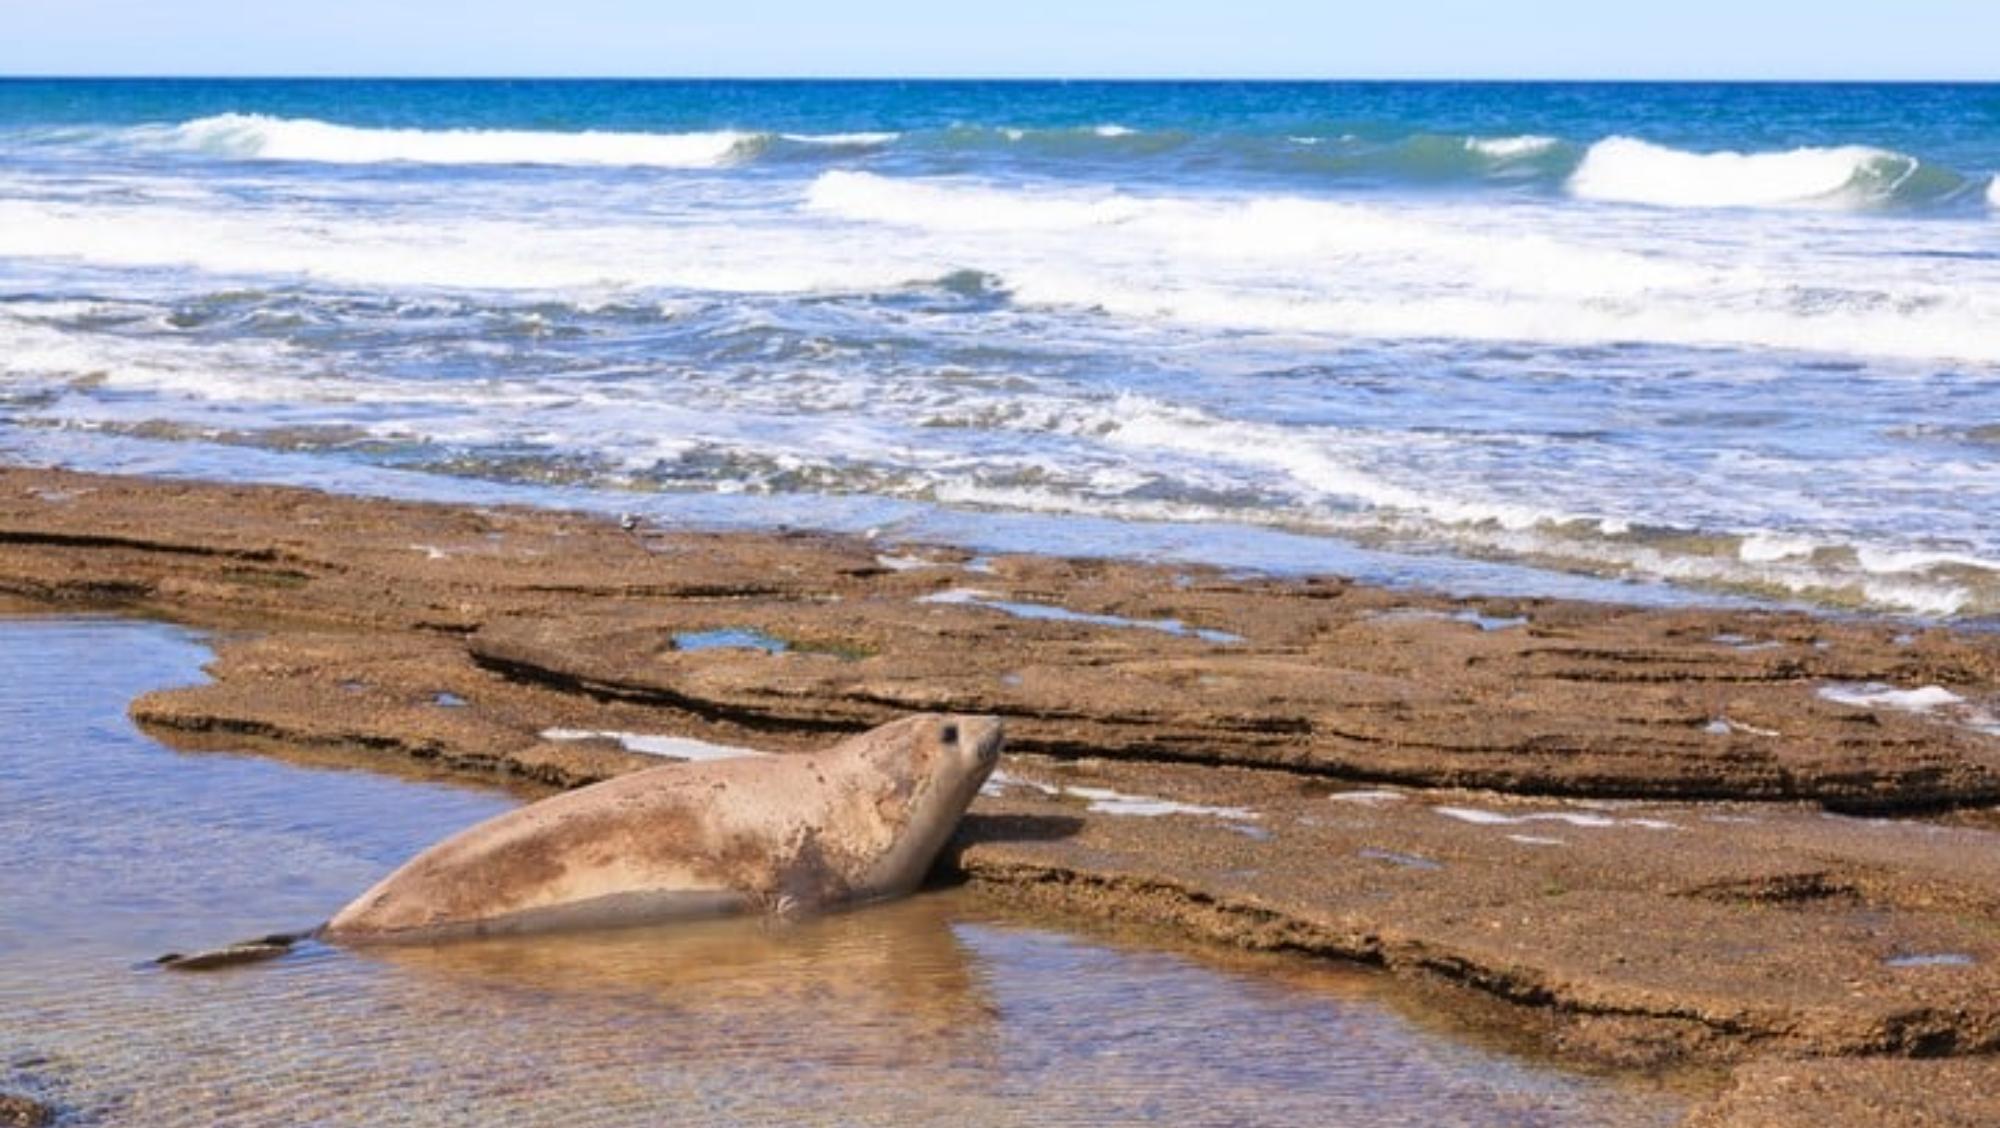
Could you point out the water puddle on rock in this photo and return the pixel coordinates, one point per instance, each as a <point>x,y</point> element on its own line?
<point>974,597</point>
<point>940,1009</point>
<point>730,638</point>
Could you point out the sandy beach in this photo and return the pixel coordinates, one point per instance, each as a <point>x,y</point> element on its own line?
<point>1645,839</point>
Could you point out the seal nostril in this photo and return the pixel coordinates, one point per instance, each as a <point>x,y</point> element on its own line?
<point>949,734</point>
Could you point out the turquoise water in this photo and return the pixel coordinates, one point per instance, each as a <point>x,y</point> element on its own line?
<point>1707,340</point>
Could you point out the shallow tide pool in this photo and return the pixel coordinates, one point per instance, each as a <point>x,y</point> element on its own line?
<point>936,1010</point>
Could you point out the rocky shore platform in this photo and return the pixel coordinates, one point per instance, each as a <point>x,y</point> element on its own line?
<point>1761,841</point>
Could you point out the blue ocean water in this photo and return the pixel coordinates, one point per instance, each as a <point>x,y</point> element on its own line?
<point>1708,339</point>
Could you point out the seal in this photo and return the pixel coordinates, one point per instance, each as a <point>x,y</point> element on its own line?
<point>859,822</point>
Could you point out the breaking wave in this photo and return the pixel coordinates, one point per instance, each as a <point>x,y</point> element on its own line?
<point>259,137</point>
<point>1628,170</point>
<point>1507,148</point>
<point>1615,169</point>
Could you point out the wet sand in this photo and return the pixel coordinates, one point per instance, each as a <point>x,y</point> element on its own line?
<point>1647,837</point>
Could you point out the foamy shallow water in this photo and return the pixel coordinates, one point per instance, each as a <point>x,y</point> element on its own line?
<point>1730,339</point>
<point>933,1011</point>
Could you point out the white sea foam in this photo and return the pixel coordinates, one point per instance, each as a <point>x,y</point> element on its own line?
<point>1933,701</point>
<point>1310,456</point>
<point>1922,596</point>
<point>474,252</point>
<point>1292,264</point>
<point>260,137</point>
<point>1259,262</point>
<point>963,205</point>
<point>210,372</point>
<point>1225,235</point>
<point>1873,694</point>
<point>1105,801</point>
<point>1895,562</point>
<point>1628,170</point>
<point>1461,515</point>
<point>1933,599</point>
<point>1509,148</point>
<point>1993,191</point>
<point>1573,818</point>
<point>1763,548</point>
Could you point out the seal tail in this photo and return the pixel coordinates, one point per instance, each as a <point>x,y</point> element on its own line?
<point>242,952</point>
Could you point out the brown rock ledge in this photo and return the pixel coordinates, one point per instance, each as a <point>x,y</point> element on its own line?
<point>1721,928</point>
<point>1325,677</point>
<point>1665,864</point>
<point>1818,1094</point>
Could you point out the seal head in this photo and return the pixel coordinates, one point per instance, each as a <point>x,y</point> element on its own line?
<point>962,752</point>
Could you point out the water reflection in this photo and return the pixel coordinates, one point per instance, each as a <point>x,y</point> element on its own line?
<point>893,984</point>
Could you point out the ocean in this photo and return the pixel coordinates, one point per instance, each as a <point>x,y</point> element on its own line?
<point>1658,342</point>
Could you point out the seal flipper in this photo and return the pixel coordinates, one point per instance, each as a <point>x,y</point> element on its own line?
<point>243,952</point>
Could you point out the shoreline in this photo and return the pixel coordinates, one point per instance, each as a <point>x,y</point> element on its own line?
<point>1270,550</point>
<point>1660,864</point>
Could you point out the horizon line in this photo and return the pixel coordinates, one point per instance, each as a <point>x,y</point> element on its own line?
<point>1489,80</point>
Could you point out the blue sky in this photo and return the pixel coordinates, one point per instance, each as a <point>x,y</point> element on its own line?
<point>1886,39</point>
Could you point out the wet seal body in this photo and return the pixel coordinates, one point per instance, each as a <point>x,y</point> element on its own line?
<point>861,821</point>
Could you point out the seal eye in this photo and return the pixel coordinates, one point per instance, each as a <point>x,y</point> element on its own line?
<point>948,734</point>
